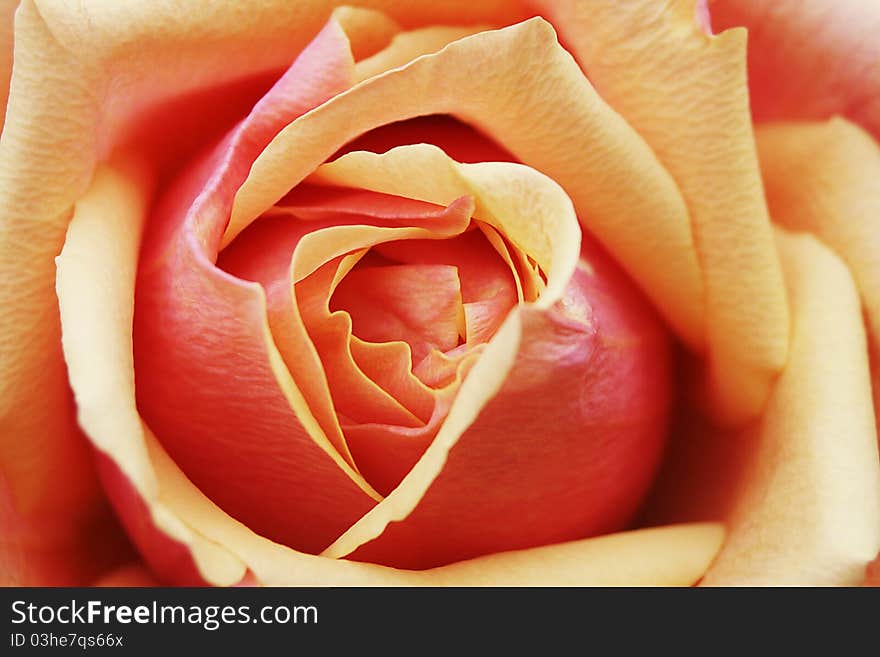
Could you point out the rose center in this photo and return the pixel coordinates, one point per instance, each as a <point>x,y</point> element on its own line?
<point>440,297</point>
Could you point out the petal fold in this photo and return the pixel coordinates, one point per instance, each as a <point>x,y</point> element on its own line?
<point>686,93</point>
<point>823,178</point>
<point>799,489</point>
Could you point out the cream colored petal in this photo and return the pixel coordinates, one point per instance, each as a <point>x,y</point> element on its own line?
<point>673,555</point>
<point>686,93</point>
<point>369,31</point>
<point>95,282</point>
<point>520,87</point>
<point>528,208</point>
<point>808,508</point>
<point>824,178</point>
<point>406,46</point>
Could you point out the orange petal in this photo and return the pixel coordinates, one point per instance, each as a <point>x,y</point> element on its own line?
<point>800,489</point>
<point>487,287</point>
<point>872,573</point>
<point>823,178</point>
<point>686,93</point>
<point>45,550</point>
<point>7,13</point>
<point>354,394</point>
<point>810,512</point>
<point>810,60</point>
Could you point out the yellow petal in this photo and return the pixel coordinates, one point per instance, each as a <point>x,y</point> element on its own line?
<point>41,449</point>
<point>369,31</point>
<point>406,46</point>
<point>686,93</point>
<point>520,87</point>
<point>673,555</point>
<point>824,178</point>
<point>800,489</point>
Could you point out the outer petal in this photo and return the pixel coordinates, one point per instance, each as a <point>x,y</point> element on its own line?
<point>800,490</point>
<point>7,12</point>
<point>810,60</point>
<point>83,73</point>
<point>210,379</point>
<point>685,92</point>
<point>44,550</point>
<point>538,105</point>
<point>825,178</point>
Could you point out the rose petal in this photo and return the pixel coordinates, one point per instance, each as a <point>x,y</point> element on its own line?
<point>407,46</point>
<point>823,178</point>
<point>355,395</point>
<point>45,460</point>
<point>675,555</point>
<point>211,382</point>
<point>528,208</point>
<point>686,94</point>
<point>7,13</point>
<point>810,60</point>
<point>487,287</point>
<point>535,103</point>
<point>810,512</point>
<point>800,489</point>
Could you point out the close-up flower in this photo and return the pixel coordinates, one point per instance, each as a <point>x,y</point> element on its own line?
<point>504,293</point>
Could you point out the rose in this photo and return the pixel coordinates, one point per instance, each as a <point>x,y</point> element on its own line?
<point>779,379</point>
